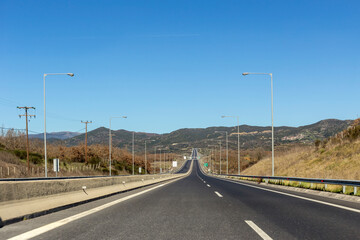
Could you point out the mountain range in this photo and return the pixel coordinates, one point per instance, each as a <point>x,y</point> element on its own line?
<point>183,139</point>
<point>55,135</point>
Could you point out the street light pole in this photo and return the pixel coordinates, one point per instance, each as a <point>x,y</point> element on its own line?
<point>146,155</point>
<point>220,157</point>
<point>145,159</point>
<point>133,153</point>
<point>154,161</point>
<point>164,161</point>
<point>45,153</point>
<point>227,154</point>
<point>155,157</point>
<point>238,139</point>
<point>227,150</point>
<point>212,149</point>
<point>160,169</point>
<point>272,118</point>
<point>110,142</point>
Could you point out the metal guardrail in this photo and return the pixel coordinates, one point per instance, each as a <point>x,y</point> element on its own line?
<point>78,177</point>
<point>342,182</point>
<point>56,178</point>
<point>355,183</point>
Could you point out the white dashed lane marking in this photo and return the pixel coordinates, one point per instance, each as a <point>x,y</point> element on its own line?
<point>219,195</point>
<point>258,230</point>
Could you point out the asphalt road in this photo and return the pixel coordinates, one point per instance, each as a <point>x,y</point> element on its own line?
<point>198,207</point>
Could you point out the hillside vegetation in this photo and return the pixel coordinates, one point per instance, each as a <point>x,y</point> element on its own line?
<point>183,140</point>
<point>72,159</point>
<point>336,157</point>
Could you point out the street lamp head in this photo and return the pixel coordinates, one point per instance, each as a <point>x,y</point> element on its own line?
<point>223,116</point>
<point>124,116</point>
<point>245,73</point>
<point>70,74</point>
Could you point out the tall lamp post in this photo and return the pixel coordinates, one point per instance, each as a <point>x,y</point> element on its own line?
<point>45,154</point>
<point>211,161</point>
<point>146,155</point>
<point>238,133</point>
<point>227,150</point>
<point>110,141</point>
<point>133,153</point>
<point>272,116</point>
<point>160,169</point>
<point>164,160</point>
<point>155,148</point>
<point>220,156</point>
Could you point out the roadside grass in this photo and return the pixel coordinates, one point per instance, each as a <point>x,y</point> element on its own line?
<point>333,162</point>
<point>349,190</point>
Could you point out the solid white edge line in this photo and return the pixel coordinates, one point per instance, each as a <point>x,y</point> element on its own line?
<point>51,226</point>
<point>219,195</point>
<point>258,230</point>
<point>296,196</point>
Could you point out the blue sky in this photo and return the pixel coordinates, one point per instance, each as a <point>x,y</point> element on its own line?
<point>177,64</point>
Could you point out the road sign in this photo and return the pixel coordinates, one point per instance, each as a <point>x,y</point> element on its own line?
<point>206,164</point>
<point>174,163</point>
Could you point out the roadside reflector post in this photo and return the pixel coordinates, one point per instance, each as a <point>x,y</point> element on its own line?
<point>56,165</point>
<point>344,189</point>
<point>355,190</point>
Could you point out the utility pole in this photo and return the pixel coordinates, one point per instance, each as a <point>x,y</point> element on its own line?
<point>86,123</point>
<point>26,115</point>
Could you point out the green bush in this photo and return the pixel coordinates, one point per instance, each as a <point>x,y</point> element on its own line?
<point>94,160</point>
<point>35,158</point>
<point>20,154</point>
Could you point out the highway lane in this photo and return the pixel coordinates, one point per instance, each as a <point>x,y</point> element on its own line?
<point>301,219</point>
<point>184,209</point>
<point>185,168</point>
<point>200,207</point>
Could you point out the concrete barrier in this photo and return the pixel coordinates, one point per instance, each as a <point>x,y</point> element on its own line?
<point>30,189</point>
<point>23,200</point>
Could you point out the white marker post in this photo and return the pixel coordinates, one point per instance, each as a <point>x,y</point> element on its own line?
<point>56,165</point>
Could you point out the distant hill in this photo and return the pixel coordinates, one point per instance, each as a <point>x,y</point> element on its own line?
<point>55,135</point>
<point>186,138</point>
<point>336,157</point>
